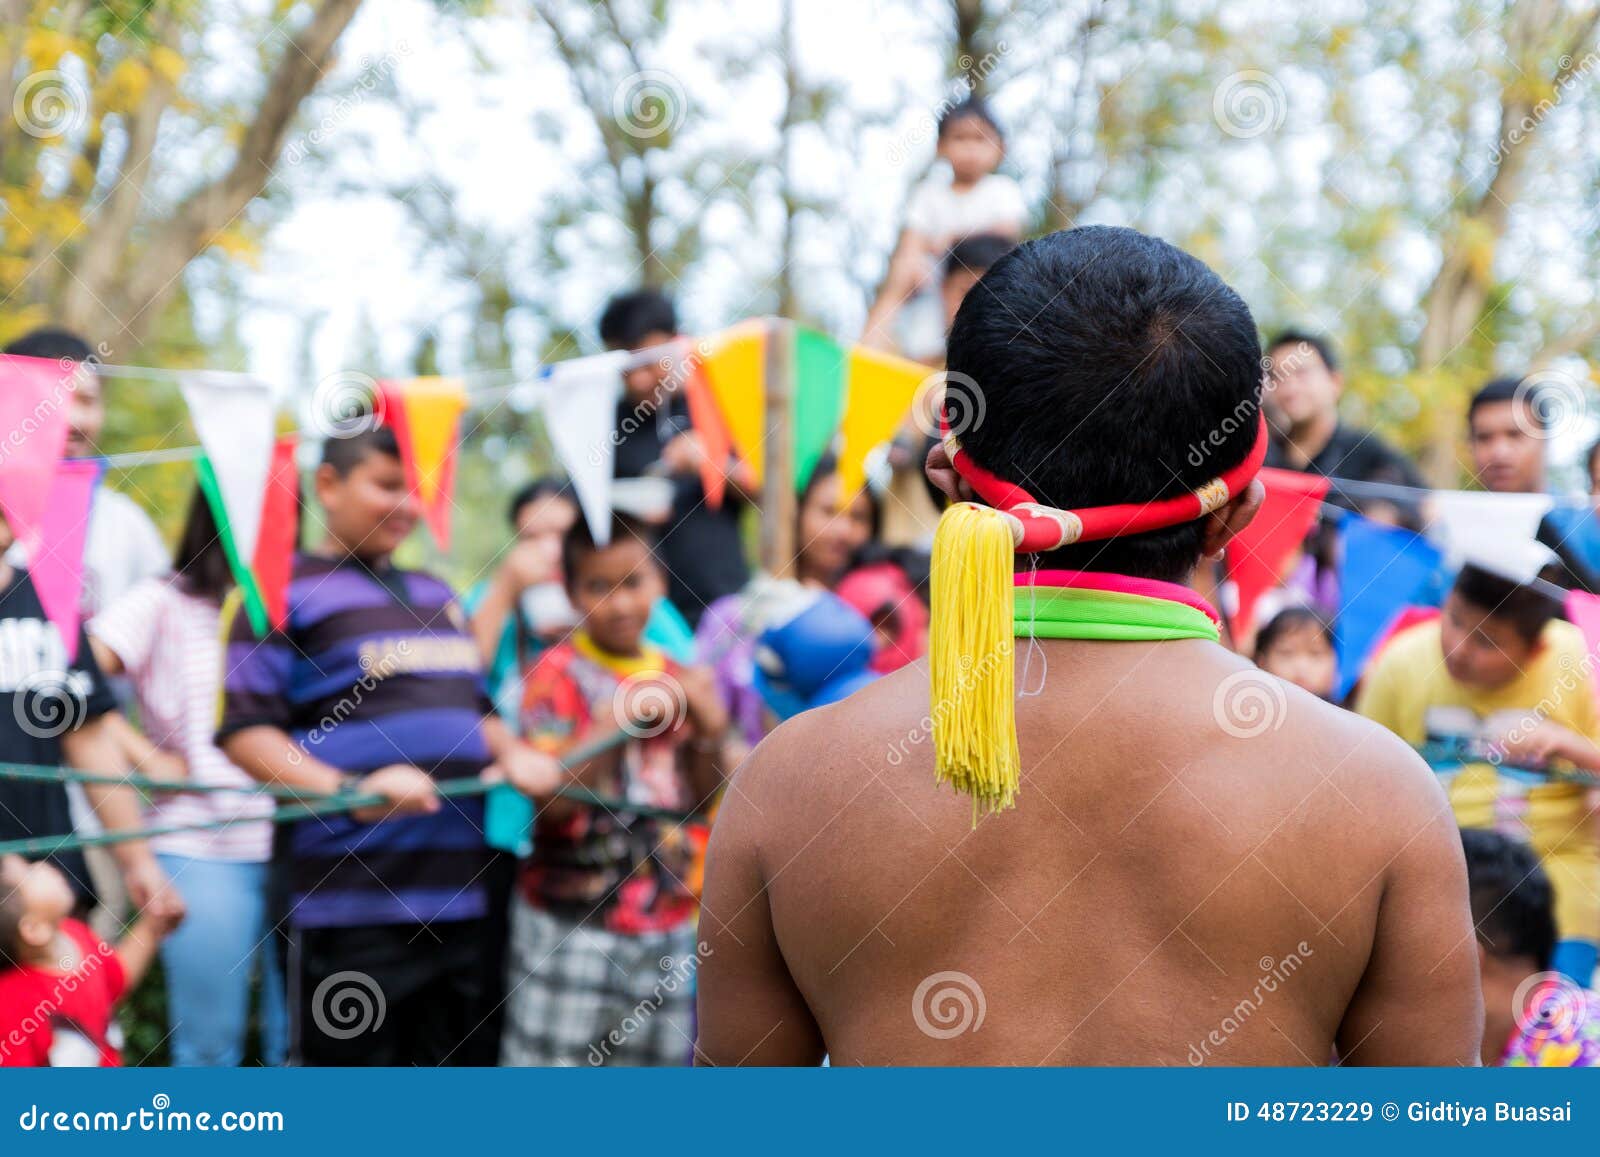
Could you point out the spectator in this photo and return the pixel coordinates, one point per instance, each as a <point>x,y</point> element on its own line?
<point>1498,674</point>
<point>59,984</point>
<point>965,199</point>
<point>1302,403</point>
<point>607,901</point>
<point>1506,433</point>
<point>163,634</point>
<point>61,711</point>
<point>1296,645</point>
<point>373,685</point>
<point>1527,1020</point>
<point>1572,530</point>
<point>827,539</point>
<point>701,548</point>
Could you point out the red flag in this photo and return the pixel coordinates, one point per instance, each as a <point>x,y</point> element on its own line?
<point>1256,557</point>
<point>280,529</point>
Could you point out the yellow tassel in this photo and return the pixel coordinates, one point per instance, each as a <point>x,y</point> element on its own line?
<point>970,646</point>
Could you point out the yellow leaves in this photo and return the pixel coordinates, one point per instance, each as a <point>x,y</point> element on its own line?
<point>168,65</point>
<point>124,87</point>
<point>45,47</point>
<point>238,243</point>
<point>1479,240</point>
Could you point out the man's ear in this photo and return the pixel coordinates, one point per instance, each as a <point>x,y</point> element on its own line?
<point>1232,518</point>
<point>943,475</point>
<point>1338,383</point>
<point>323,479</point>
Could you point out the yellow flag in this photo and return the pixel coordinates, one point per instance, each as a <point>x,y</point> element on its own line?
<point>879,393</point>
<point>425,414</point>
<point>735,367</point>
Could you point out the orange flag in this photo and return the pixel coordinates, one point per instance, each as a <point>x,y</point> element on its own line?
<point>735,369</point>
<point>878,395</point>
<point>712,431</point>
<point>425,414</point>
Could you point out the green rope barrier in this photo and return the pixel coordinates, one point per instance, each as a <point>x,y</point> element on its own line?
<point>316,803</point>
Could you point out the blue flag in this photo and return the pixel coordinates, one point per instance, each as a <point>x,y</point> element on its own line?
<point>1385,570</point>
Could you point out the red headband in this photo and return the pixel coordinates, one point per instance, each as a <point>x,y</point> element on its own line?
<point>1036,527</point>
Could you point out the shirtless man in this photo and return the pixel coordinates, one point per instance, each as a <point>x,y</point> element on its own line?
<point>1204,865</point>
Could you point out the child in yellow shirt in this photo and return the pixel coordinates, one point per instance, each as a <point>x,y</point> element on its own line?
<point>1498,672</point>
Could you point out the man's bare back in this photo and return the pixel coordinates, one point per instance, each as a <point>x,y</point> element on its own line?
<point>1204,866</point>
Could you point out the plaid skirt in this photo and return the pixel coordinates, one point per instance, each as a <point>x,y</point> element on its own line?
<point>579,995</point>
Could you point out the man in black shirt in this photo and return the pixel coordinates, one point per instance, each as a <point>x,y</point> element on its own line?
<point>699,547</point>
<point>1302,404</point>
<point>53,711</point>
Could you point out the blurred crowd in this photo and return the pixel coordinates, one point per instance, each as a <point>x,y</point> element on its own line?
<point>470,908</point>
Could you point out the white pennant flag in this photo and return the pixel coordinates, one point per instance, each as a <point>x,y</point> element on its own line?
<point>580,411</point>
<point>234,416</point>
<point>1478,523</point>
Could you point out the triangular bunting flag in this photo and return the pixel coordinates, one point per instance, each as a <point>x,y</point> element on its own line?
<point>879,395</point>
<point>580,414</point>
<point>1583,611</point>
<point>1479,523</point>
<point>35,394</point>
<point>56,567</point>
<point>1257,554</point>
<point>1386,568</point>
<point>234,417</point>
<point>818,399</point>
<point>273,561</point>
<point>735,367</point>
<point>425,414</point>
<point>711,430</point>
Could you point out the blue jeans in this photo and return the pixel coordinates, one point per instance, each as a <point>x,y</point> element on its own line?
<point>210,959</point>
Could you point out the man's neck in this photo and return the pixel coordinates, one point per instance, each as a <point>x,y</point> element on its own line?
<point>1309,438</point>
<point>7,573</point>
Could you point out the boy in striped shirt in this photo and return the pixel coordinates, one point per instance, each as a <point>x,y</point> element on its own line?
<point>373,685</point>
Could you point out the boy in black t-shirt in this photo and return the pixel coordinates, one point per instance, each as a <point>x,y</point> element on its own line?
<point>56,714</point>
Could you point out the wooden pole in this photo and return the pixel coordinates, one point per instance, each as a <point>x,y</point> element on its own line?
<point>777,486</point>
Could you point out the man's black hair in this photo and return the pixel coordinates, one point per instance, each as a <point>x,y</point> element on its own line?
<point>629,317</point>
<point>1299,337</point>
<point>1524,608</point>
<point>1508,390</point>
<point>973,106</point>
<point>1111,367</point>
<point>548,486</point>
<point>345,454</point>
<point>53,343</point>
<point>1513,905</point>
<point>580,542</point>
<point>976,254</point>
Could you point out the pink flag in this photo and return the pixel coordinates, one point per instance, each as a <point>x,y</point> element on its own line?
<point>34,396</point>
<point>1583,609</point>
<point>56,566</point>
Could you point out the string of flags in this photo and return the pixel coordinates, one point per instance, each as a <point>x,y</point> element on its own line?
<point>843,397</point>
